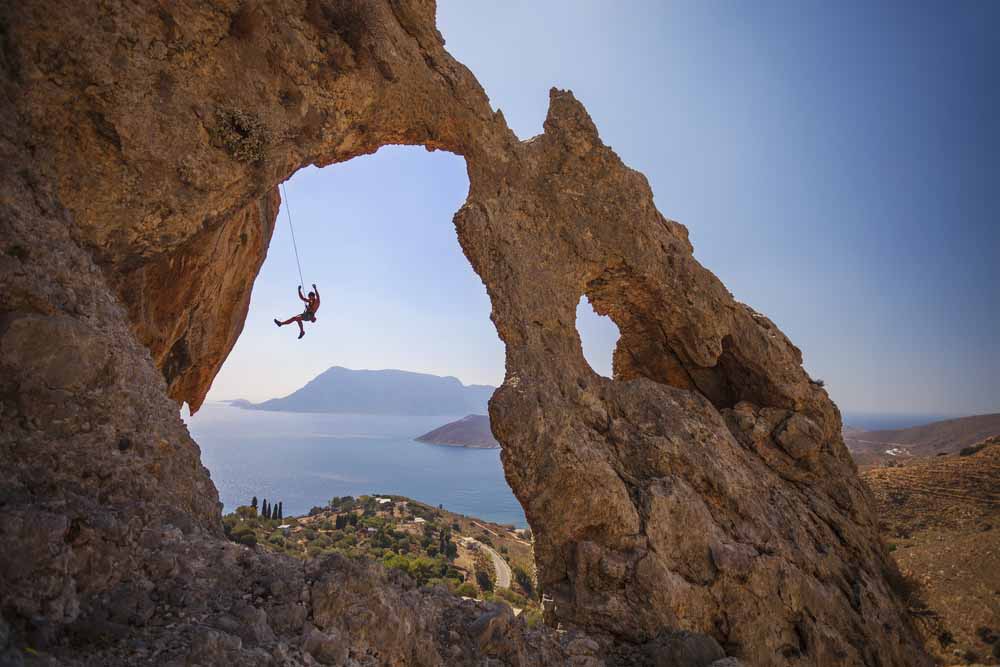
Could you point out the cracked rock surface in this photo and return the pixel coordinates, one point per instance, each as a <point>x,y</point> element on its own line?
<point>705,489</point>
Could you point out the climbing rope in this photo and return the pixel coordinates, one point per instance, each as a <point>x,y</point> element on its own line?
<point>288,211</point>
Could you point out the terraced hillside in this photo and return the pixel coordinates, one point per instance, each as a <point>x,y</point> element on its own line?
<point>905,446</point>
<point>942,518</point>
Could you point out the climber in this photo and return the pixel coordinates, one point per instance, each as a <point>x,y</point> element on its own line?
<point>308,315</point>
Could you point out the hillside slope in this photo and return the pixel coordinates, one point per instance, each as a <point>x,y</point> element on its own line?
<point>902,446</point>
<point>940,515</point>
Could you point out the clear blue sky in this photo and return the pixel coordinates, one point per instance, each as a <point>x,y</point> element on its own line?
<point>837,165</point>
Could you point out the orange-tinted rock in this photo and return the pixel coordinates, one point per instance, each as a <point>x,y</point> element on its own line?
<point>706,488</point>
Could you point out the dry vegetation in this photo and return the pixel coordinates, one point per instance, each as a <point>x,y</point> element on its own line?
<point>939,515</point>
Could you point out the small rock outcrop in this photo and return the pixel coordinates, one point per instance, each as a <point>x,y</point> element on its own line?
<point>469,431</point>
<point>705,489</point>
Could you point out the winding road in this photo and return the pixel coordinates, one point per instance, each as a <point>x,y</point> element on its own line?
<point>500,565</point>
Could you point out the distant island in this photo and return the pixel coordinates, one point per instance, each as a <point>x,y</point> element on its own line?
<point>469,431</point>
<point>380,392</point>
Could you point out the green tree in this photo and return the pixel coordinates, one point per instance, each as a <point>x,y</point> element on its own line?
<point>253,503</point>
<point>484,581</point>
<point>523,580</point>
<point>281,510</point>
<point>466,590</point>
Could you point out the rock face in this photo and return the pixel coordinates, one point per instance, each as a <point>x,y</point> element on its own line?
<point>705,489</point>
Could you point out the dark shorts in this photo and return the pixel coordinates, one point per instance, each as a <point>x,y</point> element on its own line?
<point>309,316</point>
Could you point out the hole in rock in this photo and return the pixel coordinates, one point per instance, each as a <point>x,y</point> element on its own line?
<point>336,413</point>
<point>598,335</point>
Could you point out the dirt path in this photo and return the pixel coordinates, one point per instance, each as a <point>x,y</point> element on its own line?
<point>506,537</point>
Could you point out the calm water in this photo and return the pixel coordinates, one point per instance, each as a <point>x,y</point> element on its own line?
<point>305,459</point>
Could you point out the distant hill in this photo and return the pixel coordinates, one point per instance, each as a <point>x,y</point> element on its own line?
<point>942,437</point>
<point>382,392</point>
<point>939,515</point>
<point>470,431</point>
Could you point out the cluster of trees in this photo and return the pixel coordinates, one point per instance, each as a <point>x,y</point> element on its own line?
<point>267,510</point>
<point>523,580</point>
<point>423,569</point>
<point>427,556</point>
<point>484,572</point>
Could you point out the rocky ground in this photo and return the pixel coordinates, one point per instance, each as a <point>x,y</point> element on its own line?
<point>942,517</point>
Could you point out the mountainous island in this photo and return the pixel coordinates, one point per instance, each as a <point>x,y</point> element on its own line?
<point>469,431</point>
<point>380,392</point>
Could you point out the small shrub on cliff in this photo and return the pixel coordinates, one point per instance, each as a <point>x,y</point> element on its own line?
<point>484,581</point>
<point>241,133</point>
<point>18,252</point>
<point>532,617</point>
<point>466,590</point>
<point>986,635</point>
<point>523,580</point>
<point>515,599</point>
<point>248,539</point>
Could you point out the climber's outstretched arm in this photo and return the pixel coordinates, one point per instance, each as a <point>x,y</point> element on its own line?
<point>301,295</point>
<point>316,292</point>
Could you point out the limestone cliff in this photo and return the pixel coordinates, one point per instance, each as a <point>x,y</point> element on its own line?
<point>706,488</point>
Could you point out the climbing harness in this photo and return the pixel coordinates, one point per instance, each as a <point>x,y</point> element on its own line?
<point>288,212</point>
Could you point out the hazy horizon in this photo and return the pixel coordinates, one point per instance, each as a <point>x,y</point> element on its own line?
<point>835,166</point>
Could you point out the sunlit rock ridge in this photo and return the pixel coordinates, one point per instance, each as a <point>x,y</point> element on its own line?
<point>705,488</point>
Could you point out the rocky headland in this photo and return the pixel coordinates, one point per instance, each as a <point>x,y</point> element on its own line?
<point>469,431</point>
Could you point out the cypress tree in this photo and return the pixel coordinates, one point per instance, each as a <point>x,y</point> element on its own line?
<point>269,510</point>
<point>281,512</point>
<point>253,503</point>
<point>265,510</point>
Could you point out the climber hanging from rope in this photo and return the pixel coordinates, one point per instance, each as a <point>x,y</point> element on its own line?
<point>312,301</point>
<point>308,315</point>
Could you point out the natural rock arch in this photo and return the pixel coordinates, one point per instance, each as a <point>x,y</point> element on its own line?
<point>706,488</point>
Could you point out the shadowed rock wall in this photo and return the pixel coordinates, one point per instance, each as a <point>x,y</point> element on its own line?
<point>705,488</point>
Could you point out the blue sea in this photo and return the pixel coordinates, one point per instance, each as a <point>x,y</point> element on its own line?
<point>304,459</point>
